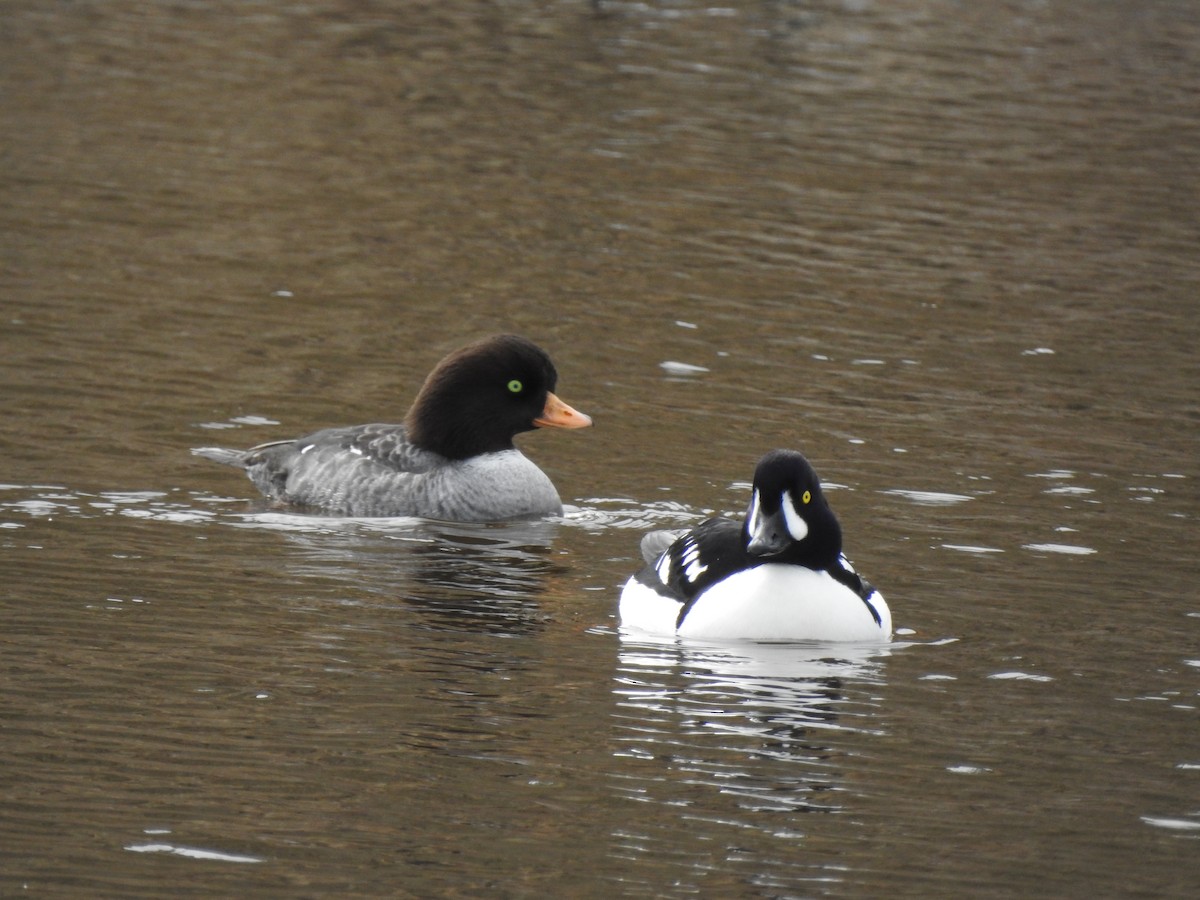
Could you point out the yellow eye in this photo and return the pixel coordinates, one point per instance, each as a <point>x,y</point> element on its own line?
<point>807,497</point>
<point>515,386</point>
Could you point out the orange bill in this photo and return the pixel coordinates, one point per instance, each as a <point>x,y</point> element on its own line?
<point>559,415</point>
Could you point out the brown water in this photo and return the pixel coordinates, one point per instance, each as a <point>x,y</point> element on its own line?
<point>952,252</point>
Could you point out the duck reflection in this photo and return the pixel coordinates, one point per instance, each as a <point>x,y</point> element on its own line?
<point>486,578</point>
<point>458,577</point>
<point>768,725</point>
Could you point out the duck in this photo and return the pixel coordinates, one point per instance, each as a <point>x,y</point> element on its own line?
<point>778,575</point>
<point>452,458</point>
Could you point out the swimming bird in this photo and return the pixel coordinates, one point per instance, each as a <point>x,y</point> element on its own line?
<point>778,575</point>
<point>452,458</point>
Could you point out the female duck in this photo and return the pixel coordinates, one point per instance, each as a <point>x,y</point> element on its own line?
<point>453,458</point>
<point>779,575</point>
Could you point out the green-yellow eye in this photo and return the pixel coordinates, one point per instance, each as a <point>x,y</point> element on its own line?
<point>807,497</point>
<point>515,386</point>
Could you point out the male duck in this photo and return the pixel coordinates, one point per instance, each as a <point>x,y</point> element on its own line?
<point>780,575</point>
<point>453,458</point>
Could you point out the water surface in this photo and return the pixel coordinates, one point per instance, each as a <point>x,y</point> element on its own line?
<point>948,252</point>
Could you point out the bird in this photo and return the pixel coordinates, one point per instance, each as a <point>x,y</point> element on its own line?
<point>452,458</point>
<point>779,575</point>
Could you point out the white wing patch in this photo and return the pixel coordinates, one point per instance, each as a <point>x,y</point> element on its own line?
<point>357,451</point>
<point>663,567</point>
<point>306,448</point>
<point>846,564</point>
<point>690,558</point>
<point>689,561</point>
<point>796,526</point>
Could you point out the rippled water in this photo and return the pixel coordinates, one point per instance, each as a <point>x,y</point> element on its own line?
<point>947,251</point>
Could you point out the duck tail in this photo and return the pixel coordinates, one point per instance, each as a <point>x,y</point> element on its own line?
<point>221,455</point>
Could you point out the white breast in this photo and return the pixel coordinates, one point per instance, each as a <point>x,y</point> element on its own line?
<point>644,609</point>
<point>766,603</point>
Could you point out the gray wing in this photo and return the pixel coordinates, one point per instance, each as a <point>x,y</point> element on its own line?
<point>655,544</point>
<point>339,459</point>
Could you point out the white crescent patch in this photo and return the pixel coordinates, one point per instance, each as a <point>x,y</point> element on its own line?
<point>796,526</point>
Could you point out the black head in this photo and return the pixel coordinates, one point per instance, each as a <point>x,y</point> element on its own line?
<point>788,519</point>
<point>482,395</point>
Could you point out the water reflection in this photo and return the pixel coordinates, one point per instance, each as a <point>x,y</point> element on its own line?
<point>477,578</point>
<point>724,738</point>
<point>481,578</point>
<point>761,723</point>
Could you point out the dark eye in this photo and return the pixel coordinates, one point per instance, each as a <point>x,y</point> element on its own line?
<point>515,386</point>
